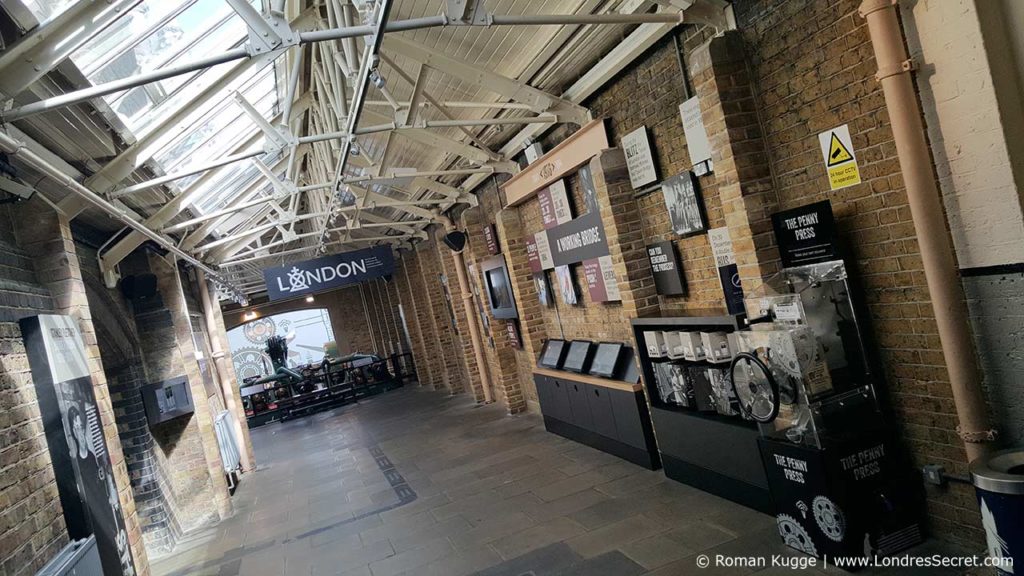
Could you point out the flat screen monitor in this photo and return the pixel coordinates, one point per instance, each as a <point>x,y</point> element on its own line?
<point>606,359</point>
<point>578,357</point>
<point>554,354</point>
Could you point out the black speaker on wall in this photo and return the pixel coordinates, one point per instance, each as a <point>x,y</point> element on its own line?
<point>456,240</point>
<point>138,286</point>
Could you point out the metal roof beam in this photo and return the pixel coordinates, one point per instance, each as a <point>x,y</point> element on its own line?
<point>41,50</point>
<point>510,88</point>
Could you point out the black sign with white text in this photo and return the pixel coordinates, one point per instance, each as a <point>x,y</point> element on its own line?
<point>581,238</point>
<point>70,419</point>
<point>668,276</point>
<point>328,272</point>
<point>806,235</point>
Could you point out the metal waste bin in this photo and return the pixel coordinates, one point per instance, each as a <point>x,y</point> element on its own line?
<point>999,481</point>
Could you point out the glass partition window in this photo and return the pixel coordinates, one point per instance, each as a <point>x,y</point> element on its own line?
<point>248,342</point>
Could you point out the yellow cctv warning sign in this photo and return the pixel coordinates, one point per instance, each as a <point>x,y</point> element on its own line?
<point>840,161</point>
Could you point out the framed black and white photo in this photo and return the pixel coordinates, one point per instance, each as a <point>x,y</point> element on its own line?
<point>566,285</point>
<point>685,212</point>
<point>543,289</point>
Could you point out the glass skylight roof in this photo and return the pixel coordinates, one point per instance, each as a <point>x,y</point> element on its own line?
<point>156,34</point>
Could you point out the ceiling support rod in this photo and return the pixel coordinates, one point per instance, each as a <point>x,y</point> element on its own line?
<point>15,148</point>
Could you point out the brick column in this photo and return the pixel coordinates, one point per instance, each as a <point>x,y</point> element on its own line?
<point>172,293</point>
<point>226,369</point>
<point>620,216</point>
<point>531,320</point>
<point>724,85</point>
<point>45,236</point>
<point>416,317</point>
<point>441,344</point>
<point>505,370</point>
<point>462,364</point>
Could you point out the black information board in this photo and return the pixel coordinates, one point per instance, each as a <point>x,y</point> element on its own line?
<point>74,436</point>
<point>668,275</point>
<point>806,235</point>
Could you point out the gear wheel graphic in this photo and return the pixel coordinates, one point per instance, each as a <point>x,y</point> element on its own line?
<point>829,518</point>
<point>794,535</point>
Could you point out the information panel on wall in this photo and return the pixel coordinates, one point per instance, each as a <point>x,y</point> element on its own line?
<point>74,436</point>
<point>728,272</point>
<point>668,277</point>
<point>806,234</point>
<point>328,272</point>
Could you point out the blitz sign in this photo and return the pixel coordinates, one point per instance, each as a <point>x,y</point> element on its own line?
<point>328,272</point>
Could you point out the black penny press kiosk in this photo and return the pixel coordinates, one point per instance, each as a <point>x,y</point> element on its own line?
<point>839,482</point>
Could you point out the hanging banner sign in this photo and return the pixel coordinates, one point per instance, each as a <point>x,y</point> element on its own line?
<point>601,283</point>
<point>328,272</point>
<point>578,240</point>
<point>697,144</point>
<point>840,161</point>
<point>491,239</point>
<point>547,209</point>
<point>74,435</point>
<point>544,250</point>
<point>728,272</point>
<point>512,331</point>
<point>533,256</point>
<point>560,202</point>
<point>806,235</point>
<point>639,159</point>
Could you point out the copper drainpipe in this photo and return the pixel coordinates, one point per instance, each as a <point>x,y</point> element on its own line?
<point>940,266</point>
<point>227,384</point>
<point>470,307</point>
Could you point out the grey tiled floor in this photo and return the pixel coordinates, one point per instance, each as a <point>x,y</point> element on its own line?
<point>414,482</point>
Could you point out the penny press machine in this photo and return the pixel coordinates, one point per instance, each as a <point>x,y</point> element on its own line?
<point>840,484</point>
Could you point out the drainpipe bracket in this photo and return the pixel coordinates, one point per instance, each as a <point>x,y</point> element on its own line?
<point>977,436</point>
<point>868,6</point>
<point>906,66</point>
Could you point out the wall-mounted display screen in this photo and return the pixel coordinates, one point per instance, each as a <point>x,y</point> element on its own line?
<point>554,354</point>
<point>579,356</point>
<point>606,359</point>
<point>499,288</point>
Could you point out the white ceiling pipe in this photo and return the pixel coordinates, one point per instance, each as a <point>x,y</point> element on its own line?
<point>120,85</point>
<point>19,150</point>
<point>456,104</point>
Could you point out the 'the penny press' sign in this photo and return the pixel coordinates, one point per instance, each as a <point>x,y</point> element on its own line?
<point>806,235</point>
<point>328,272</point>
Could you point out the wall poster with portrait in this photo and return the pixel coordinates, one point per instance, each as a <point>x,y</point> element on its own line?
<point>74,436</point>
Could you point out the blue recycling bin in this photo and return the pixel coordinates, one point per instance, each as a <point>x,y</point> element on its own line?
<point>999,481</point>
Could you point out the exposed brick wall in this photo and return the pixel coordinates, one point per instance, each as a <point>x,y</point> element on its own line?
<point>417,310</point>
<point>120,350</point>
<point>649,93</point>
<point>31,520</point>
<point>803,92</point>
<point>500,354</point>
<point>796,68</point>
<point>46,236</point>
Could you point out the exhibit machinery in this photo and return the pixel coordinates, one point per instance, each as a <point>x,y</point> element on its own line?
<point>837,477</point>
<point>778,408</point>
<point>288,392</point>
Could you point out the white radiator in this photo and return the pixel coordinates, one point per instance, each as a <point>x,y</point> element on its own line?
<point>224,426</point>
<point>78,558</point>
